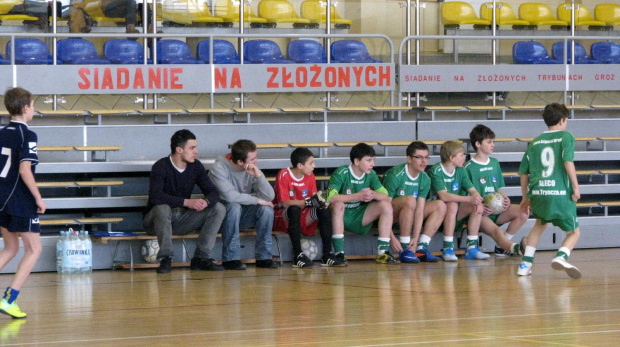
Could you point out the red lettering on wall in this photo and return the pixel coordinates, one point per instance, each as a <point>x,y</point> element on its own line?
<point>384,76</point>
<point>174,78</point>
<point>286,77</point>
<point>301,77</point>
<point>316,70</point>
<point>83,73</point>
<point>357,71</point>
<point>344,78</point>
<point>220,78</point>
<point>154,78</point>
<point>274,73</point>
<point>107,79</point>
<point>138,80</point>
<point>330,77</point>
<point>122,78</point>
<point>371,81</point>
<point>235,81</point>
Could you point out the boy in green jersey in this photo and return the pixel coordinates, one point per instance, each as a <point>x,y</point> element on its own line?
<point>408,186</point>
<point>486,176</point>
<point>450,183</point>
<point>357,198</point>
<point>550,189</point>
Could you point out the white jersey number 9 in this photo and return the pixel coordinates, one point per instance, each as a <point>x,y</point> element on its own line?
<point>547,159</point>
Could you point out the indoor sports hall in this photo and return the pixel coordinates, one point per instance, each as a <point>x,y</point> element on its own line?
<point>324,75</point>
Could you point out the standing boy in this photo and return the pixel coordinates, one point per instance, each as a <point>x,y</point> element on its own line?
<point>408,186</point>
<point>550,189</point>
<point>20,200</point>
<point>450,183</point>
<point>357,199</point>
<point>299,209</point>
<point>486,176</point>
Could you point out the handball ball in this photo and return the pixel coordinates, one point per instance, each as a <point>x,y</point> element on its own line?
<point>494,201</point>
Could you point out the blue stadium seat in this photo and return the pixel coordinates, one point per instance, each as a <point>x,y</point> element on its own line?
<point>606,52</point>
<point>124,51</point>
<point>264,52</point>
<point>4,61</point>
<point>306,52</point>
<point>531,52</point>
<point>224,52</point>
<point>30,51</point>
<point>351,51</point>
<point>581,57</point>
<point>78,51</point>
<point>175,52</point>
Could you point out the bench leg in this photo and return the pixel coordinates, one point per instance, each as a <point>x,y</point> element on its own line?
<point>185,249</point>
<point>130,257</point>
<point>275,237</point>
<point>114,256</point>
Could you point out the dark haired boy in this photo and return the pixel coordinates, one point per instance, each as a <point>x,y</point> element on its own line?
<point>550,189</point>
<point>357,198</point>
<point>299,209</point>
<point>20,200</point>
<point>247,195</point>
<point>485,174</point>
<point>171,209</point>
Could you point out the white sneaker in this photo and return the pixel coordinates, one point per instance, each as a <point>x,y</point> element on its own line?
<point>524,269</point>
<point>559,263</point>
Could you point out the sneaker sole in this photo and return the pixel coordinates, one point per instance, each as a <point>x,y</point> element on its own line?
<point>525,274</point>
<point>572,272</point>
<point>333,265</point>
<point>410,261</point>
<point>10,315</point>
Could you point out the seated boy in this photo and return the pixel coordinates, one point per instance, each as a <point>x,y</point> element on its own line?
<point>408,186</point>
<point>486,176</point>
<point>550,189</point>
<point>450,183</point>
<point>357,199</point>
<point>299,209</point>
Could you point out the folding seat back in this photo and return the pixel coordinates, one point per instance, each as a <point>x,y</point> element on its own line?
<point>264,52</point>
<point>124,51</point>
<point>351,51</point>
<point>174,52</point>
<point>228,10</point>
<point>224,52</point>
<point>608,13</point>
<point>606,52</point>
<point>504,15</point>
<point>531,52</point>
<point>539,14</point>
<point>30,51</point>
<point>581,57</point>
<point>316,11</point>
<point>306,52</point>
<point>78,51</point>
<point>279,11</point>
<point>582,15</point>
<point>460,12</point>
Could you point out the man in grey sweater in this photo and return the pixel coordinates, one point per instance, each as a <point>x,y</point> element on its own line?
<point>248,197</point>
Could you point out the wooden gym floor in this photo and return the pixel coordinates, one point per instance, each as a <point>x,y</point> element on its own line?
<point>469,303</point>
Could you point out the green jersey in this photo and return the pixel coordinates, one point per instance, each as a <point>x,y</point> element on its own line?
<point>399,182</point>
<point>344,181</point>
<point>549,189</point>
<point>455,183</point>
<point>486,177</point>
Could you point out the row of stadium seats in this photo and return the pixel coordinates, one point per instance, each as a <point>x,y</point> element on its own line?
<point>531,14</point>
<point>125,51</point>
<point>532,52</point>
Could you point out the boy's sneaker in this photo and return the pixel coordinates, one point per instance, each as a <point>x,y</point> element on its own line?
<point>340,256</point>
<point>165,265</point>
<point>502,253</point>
<point>448,254</point>
<point>476,254</point>
<point>425,255</point>
<point>330,259</point>
<point>205,264</point>
<point>408,256</point>
<point>559,263</point>
<point>302,260</point>
<point>267,264</point>
<point>233,265</point>
<point>386,258</point>
<point>524,269</point>
<point>12,309</point>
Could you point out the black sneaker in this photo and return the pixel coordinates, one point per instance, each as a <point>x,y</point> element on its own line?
<point>233,265</point>
<point>205,264</point>
<point>340,256</point>
<point>522,245</point>
<point>330,259</point>
<point>165,265</point>
<point>502,253</point>
<point>302,260</point>
<point>267,264</point>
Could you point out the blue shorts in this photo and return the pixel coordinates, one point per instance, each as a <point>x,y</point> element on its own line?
<point>17,224</point>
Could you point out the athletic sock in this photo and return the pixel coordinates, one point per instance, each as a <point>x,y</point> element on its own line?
<point>10,294</point>
<point>448,242</point>
<point>508,236</point>
<point>404,241</point>
<point>384,245</point>
<point>563,252</point>
<point>423,241</point>
<point>338,242</point>
<point>528,257</point>
<point>515,248</point>
<point>472,242</point>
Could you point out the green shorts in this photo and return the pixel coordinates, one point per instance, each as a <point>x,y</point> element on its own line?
<point>353,218</point>
<point>567,224</point>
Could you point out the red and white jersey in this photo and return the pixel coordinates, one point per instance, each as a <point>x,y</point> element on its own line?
<point>288,187</point>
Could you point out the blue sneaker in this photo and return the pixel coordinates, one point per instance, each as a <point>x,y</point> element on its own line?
<point>408,256</point>
<point>425,255</point>
<point>448,255</point>
<point>476,254</point>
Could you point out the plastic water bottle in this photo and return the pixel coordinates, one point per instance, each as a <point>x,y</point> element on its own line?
<point>69,250</point>
<point>59,250</point>
<point>87,255</point>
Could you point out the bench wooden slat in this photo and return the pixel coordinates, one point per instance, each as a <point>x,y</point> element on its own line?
<point>271,145</point>
<point>577,107</point>
<point>112,112</point>
<point>486,108</point>
<point>62,112</point>
<point>162,111</point>
<point>98,183</point>
<point>586,138</point>
<point>55,184</point>
<point>609,138</point>
<point>350,109</point>
<point>98,148</point>
<point>209,110</point>
<point>351,144</point>
<point>394,143</point>
<point>57,221</point>
<point>610,171</point>
<point>391,108</point>
<point>98,220</point>
<point>303,109</point>
<point>527,107</point>
<point>610,203</point>
<point>311,144</point>
<point>606,106</point>
<point>54,148</point>
<point>444,108</point>
<point>257,110</point>
<point>588,204</point>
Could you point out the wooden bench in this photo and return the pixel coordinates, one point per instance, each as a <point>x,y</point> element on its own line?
<point>81,221</point>
<point>93,149</point>
<point>131,265</point>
